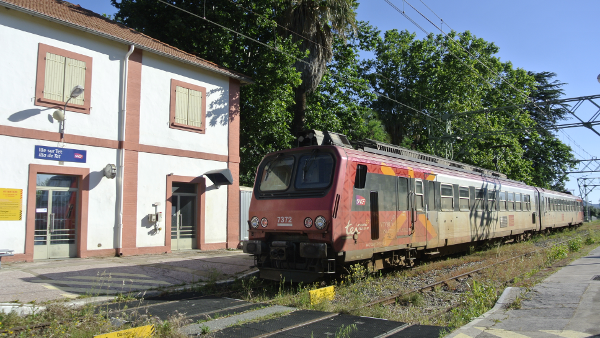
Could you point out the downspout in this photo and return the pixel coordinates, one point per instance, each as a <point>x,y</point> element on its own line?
<point>121,150</point>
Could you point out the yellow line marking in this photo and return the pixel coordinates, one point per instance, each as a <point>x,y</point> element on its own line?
<point>51,287</point>
<point>69,295</point>
<point>502,333</point>
<point>462,335</point>
<point>119,279</point>
<point>567,333</point>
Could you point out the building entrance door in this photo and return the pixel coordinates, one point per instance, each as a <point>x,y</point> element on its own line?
<point>55,217</point>
<point>183,216</point>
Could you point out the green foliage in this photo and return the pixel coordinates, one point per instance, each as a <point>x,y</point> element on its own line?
<point>592,238</point>
<point>204,329</point>
<point>557,252</point>
<point>345,331</point>
<point>478,300</point>
<point>575,244</point>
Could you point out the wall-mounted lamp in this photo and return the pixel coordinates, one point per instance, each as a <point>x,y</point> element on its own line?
<point>59,115</point>
<point>220,177</point>
<point>110,171</point>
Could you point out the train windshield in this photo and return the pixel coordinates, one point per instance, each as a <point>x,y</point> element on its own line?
<point>314,171</point>
<point>277,174</point>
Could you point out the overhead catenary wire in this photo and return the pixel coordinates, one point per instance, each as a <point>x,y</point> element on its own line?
<point>297,59</point>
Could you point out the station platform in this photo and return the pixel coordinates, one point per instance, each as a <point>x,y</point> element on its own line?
<point>566,304</point>
<point>56,279</point>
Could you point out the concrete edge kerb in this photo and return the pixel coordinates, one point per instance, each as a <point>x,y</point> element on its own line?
<point>508,296</point>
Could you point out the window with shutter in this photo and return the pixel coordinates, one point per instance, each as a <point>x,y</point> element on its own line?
<point>188,106</point>
<point>58,72</point>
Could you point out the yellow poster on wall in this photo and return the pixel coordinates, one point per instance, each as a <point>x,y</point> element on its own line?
<point>11,204</point>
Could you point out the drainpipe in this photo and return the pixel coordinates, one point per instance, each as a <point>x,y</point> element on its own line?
<point>121,150</point>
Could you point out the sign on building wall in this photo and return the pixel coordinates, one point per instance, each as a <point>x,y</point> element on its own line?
<point>60,154</point>
<point>11,204</point>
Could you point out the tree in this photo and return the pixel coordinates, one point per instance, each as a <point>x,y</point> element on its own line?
<point>313,25</point>
<point>432,79</point>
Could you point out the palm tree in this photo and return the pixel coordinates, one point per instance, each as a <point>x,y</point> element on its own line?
<point>313,23</point>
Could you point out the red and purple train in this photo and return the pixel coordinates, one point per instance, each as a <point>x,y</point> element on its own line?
<point>325,204</point>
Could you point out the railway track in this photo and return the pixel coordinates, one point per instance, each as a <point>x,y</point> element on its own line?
<point>160,308</point>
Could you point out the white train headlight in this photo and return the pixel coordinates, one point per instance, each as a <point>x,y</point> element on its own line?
<point>308,222</point>
<point>264,222</point>
<point>320,222</point>
<point>254,222</point>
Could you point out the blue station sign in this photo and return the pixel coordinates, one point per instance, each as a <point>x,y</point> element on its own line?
<point>60,154</point>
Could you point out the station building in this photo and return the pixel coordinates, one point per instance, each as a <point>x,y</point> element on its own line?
<point>113,143</point>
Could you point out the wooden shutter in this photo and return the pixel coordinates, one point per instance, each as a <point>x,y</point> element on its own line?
<point>194,115</point>
<point>54,79</point>
<point>74,76</point>
<point>181,105</point>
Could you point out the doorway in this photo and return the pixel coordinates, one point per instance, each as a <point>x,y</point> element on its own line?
<point>55,216</point>
<point>183,216</point>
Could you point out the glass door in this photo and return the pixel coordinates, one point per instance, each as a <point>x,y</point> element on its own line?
<point>55,217</point>
<point>183,217</point>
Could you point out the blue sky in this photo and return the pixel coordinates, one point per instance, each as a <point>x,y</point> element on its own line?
<point>536,35</point>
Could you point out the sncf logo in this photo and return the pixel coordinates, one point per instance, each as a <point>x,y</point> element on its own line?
<point>80,156</point>
<point>360,200</point>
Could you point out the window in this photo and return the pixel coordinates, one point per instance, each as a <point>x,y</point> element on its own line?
<point>527,200</point>
<point>503,200</point>
<point>463,194</point>
<point>277,174</point>
<point>479,193</point>
<point>314,171</point>
<point>419,205</point>
<point>491,200</point>
<point>518,204</point>
<point>361,176</point>
<point>188,107</point>
<point>58,72</point>
<point>447,197</point>
<point>511,201</point>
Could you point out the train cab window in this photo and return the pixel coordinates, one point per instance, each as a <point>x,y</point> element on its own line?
<point>447,197</point>
<point>527,200</point>
<point>315,171</point>
<point>518,204</point>
<point>361,176</point>
<point>479,193</point>
<point>491,200</point>
<point>419,195</point>
<point>463,194</point>
<point>503,200</point>
<point>277,174</point>
<point>511,201</point>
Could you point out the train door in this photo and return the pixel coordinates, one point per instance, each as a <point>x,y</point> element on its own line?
<point>55,216</point>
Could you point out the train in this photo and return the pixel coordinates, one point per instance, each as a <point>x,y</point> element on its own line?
<point>330,203</point>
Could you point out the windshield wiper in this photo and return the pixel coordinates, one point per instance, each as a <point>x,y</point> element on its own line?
<point>307,165</point>
<point>269,167</point>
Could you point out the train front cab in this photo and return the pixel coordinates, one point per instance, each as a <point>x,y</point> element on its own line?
<point>294,202</point>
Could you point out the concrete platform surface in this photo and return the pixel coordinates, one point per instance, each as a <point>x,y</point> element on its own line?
<point>566,304</point>
<point>55,279</point>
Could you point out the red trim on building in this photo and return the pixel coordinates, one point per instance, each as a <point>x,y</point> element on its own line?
<point>132,136</point>
<point>233,191</point>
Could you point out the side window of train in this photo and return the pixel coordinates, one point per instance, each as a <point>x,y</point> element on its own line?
<point>402,193</point>
<point>527,200</point>
<point>502,200</point>
<point>479,199</point>
<point>491,200</point>
<point>511,201</point>
<point>464,197</point>
<point>518,204</point>
<point>361,176</point>
<point>447,197</point>
<point>419,202</point>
